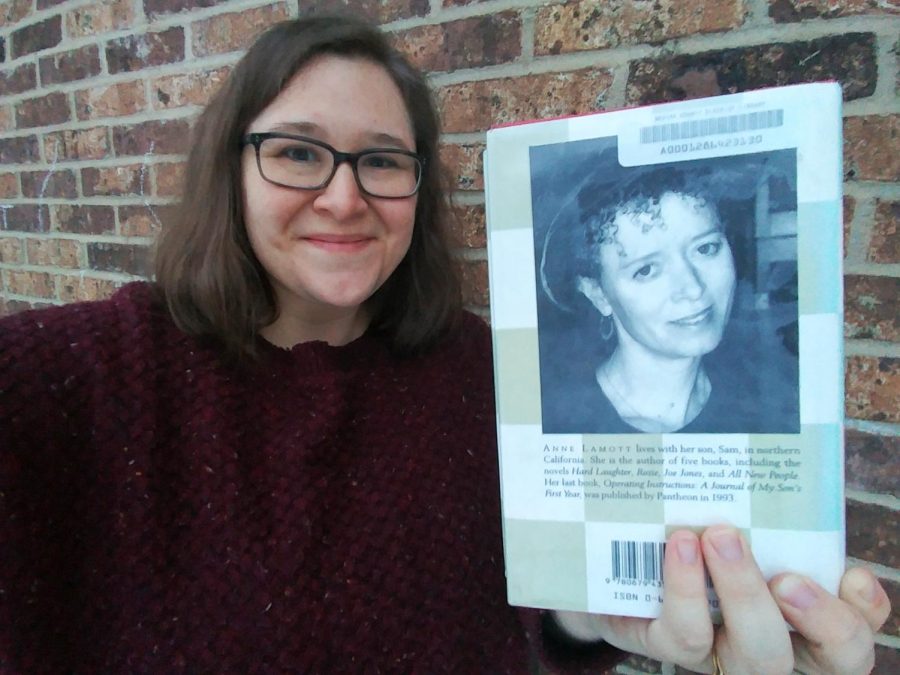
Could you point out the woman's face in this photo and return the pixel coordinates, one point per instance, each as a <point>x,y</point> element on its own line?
<point>330,249</point>
<point>666,279</point>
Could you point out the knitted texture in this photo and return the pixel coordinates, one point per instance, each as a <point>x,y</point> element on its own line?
<point>323,510</point>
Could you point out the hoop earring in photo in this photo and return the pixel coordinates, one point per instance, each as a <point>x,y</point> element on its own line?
<point>606,327</point>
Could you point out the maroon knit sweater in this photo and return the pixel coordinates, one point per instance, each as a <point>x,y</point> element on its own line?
<point>323,510</point>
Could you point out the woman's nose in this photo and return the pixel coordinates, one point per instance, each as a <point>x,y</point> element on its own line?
<point>342,197</point>
<point>689,283</point>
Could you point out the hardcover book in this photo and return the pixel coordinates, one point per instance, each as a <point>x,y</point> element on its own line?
<point>666,307</point>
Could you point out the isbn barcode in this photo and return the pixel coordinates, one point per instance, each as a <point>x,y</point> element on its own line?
<point>637,560</point>
<point>713,126</point>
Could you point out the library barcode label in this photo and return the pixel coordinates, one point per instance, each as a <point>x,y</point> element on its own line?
<point>729,124</point>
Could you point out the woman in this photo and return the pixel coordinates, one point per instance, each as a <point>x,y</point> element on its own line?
<point>257,463</point>
<point>652,258</point>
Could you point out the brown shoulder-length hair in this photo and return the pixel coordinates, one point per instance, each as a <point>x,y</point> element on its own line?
<point>212,282</point>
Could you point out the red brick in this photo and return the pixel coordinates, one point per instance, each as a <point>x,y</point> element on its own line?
<point>11,306</point>
<point>123,258</point>
<point>11,251</point>
<point>84,219</point>
<point>892,626</point>
<point>849,210</point>
<point>849,58</point>
<point>154,8</point>
<point>49,183</point>
<point>231,32</point>
<point>24,218</point>
<point>124,98</point>
<point>641,664</point>
<point>144,221</point>
<point>884,246</point>
<point>55,253</point>
<point>872,462</point>
<point>887,659</point>
<point>76,64</point>
<point>43,111</point>
<point>872,533</point>
<point>872,147</point>
<point>872,308</point>
<point>162,137</point>
<point>35,284</point>
<point>7,118</point>
<point>578,26</point>
<point>35,37</point>
<point>873,388</point>
<point>169,178</point>
<point>463,162</point>
<point>789,11</point>
<point>173,91</point>
<point>19,150</point>
<point>468,226</point>
<point>45,4</point>
<point>9,186</point>
<point>475,106</point>
<point>18,80</point>
<point>100,17</point>
<point>14,11</point>
<point>81,288</point>
<point>90,143</point>
<point>134,52</point>
<point>378,11</point>
<point>474,282</point>
<point>468,43</point>
<point>112,180</point>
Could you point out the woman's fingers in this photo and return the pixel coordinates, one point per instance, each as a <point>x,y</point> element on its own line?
<point>754,637</point>
<point>833,635</point>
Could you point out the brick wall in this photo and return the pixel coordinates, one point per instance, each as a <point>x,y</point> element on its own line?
<point>97,98</point>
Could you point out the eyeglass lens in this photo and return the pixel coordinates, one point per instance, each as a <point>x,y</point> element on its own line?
<point>302,164</point>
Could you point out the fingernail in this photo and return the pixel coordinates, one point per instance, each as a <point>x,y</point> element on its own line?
<point>796,592</point>
<point>727,545</point>
<point>687,551</point>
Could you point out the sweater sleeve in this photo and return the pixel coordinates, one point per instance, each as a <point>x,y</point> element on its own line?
<point>549,645</point>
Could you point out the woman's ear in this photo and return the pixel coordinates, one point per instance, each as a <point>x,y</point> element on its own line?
<point>590,288</point>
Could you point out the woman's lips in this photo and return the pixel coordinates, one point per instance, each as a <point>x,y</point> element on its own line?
<point>694,319</point>
<point>342,243</point>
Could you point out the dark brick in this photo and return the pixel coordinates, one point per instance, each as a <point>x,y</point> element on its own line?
<point>872,533</point>
<point>467,43</point>
<point>134,52</point>
<point>873,388</point>
<point>18,80</point>
<point>474,276</point>
<point>43,111</point>
<point>872,462</point>
<point>19,150</point>
<point>41,184</point>
<point>76,64</point>
<point>791,11</point>
<point>24,218</point>
<point>125,258</point>
<point>870,147</point>
<point>44,4</point>
<point>41,35</point>
<point>468,226</point>
<point>850,59</point>
<point>892,625</point>
<point>379,11</point>
<point>85,219</point>
<point>161,137</point>
<point>872,308</point>
<point>154,8</point>
<point>885,244</point>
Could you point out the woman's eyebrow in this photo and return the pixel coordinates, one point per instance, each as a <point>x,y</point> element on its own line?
<point>375,139</point>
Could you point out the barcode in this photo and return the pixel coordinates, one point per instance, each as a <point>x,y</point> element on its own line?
<point>637,560</point>
<point>730,124</point>
<point>641,561</point>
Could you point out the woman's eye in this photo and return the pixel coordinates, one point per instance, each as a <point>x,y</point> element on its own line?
<point>709,248</point>
<point>380,162</point>
<point>644,272</point>
<point>300,153</point>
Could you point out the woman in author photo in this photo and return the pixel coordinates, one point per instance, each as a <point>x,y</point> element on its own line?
<point>279,455</point>
<point>647,261</point>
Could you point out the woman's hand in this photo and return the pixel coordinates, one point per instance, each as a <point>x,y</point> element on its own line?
<point>833,634</point>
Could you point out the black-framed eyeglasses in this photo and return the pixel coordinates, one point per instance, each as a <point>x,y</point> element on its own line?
<point>307,164</point>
